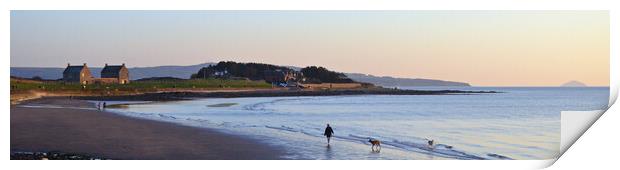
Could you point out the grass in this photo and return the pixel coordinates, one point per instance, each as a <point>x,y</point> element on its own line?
<point>134,86</point>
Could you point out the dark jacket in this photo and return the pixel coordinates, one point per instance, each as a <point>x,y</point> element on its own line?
<point>328,131</point>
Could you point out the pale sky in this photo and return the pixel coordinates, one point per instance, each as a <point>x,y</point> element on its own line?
<point>484,48</point>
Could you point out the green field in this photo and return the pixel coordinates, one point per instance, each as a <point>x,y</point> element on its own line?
<point>134,86</point>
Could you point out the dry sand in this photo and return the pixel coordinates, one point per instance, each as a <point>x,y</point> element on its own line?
<point>98,133</point>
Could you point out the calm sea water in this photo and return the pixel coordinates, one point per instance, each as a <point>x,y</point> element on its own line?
<point>522,123</point>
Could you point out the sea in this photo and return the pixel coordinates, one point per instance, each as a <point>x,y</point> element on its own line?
<point>517,123</point>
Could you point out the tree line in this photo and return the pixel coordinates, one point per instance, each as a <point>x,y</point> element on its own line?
<point>256,71</point>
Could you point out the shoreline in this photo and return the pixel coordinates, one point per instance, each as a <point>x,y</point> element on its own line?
<point>186,95</point>
<point>107,135</point>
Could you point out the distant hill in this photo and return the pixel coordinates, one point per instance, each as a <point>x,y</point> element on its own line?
<point>392,81</point>
<point>574,84</point>
<point>160,79</point>
<point>185,72</point>
<point>135,73</point>
<point>43,72</point>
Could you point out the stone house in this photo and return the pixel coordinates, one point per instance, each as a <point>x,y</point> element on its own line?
<point>114,74</point>
<point>78,74</point>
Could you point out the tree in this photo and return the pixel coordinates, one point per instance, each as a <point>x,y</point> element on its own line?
<point>252,71</point>
<point>314,74</point>
<point>37,78</point>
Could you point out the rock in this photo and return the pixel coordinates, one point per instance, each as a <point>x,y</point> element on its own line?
<point>574,84</point>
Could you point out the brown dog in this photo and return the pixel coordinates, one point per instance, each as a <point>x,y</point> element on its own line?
<point>375,144</point>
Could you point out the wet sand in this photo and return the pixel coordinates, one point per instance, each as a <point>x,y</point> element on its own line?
<point>82,129</point>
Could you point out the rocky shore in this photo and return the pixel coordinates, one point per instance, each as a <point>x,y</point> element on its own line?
<point>52,155</point>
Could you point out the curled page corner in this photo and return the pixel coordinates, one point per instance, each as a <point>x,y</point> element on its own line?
<point>574,124</point>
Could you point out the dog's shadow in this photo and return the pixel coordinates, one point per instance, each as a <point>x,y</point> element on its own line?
<point>375,150</point>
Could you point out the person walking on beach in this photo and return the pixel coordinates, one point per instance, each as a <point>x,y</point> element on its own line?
<point>328,133</point>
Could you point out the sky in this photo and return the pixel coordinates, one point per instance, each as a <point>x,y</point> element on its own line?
<point>483,48</point>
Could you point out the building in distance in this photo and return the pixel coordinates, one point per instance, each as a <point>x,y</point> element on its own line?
<point>77,74</point>
<point>109,74</point>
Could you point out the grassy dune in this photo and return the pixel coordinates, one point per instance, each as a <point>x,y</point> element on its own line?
<point>21,85</point>
<point>23,89</point>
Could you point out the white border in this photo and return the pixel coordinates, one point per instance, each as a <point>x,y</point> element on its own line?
<point>585,155</point>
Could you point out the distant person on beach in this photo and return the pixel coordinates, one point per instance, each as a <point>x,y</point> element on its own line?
<point>328,133</point>
<point>104,105</point>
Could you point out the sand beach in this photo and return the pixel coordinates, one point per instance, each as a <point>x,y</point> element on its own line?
<point>76,126</point>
